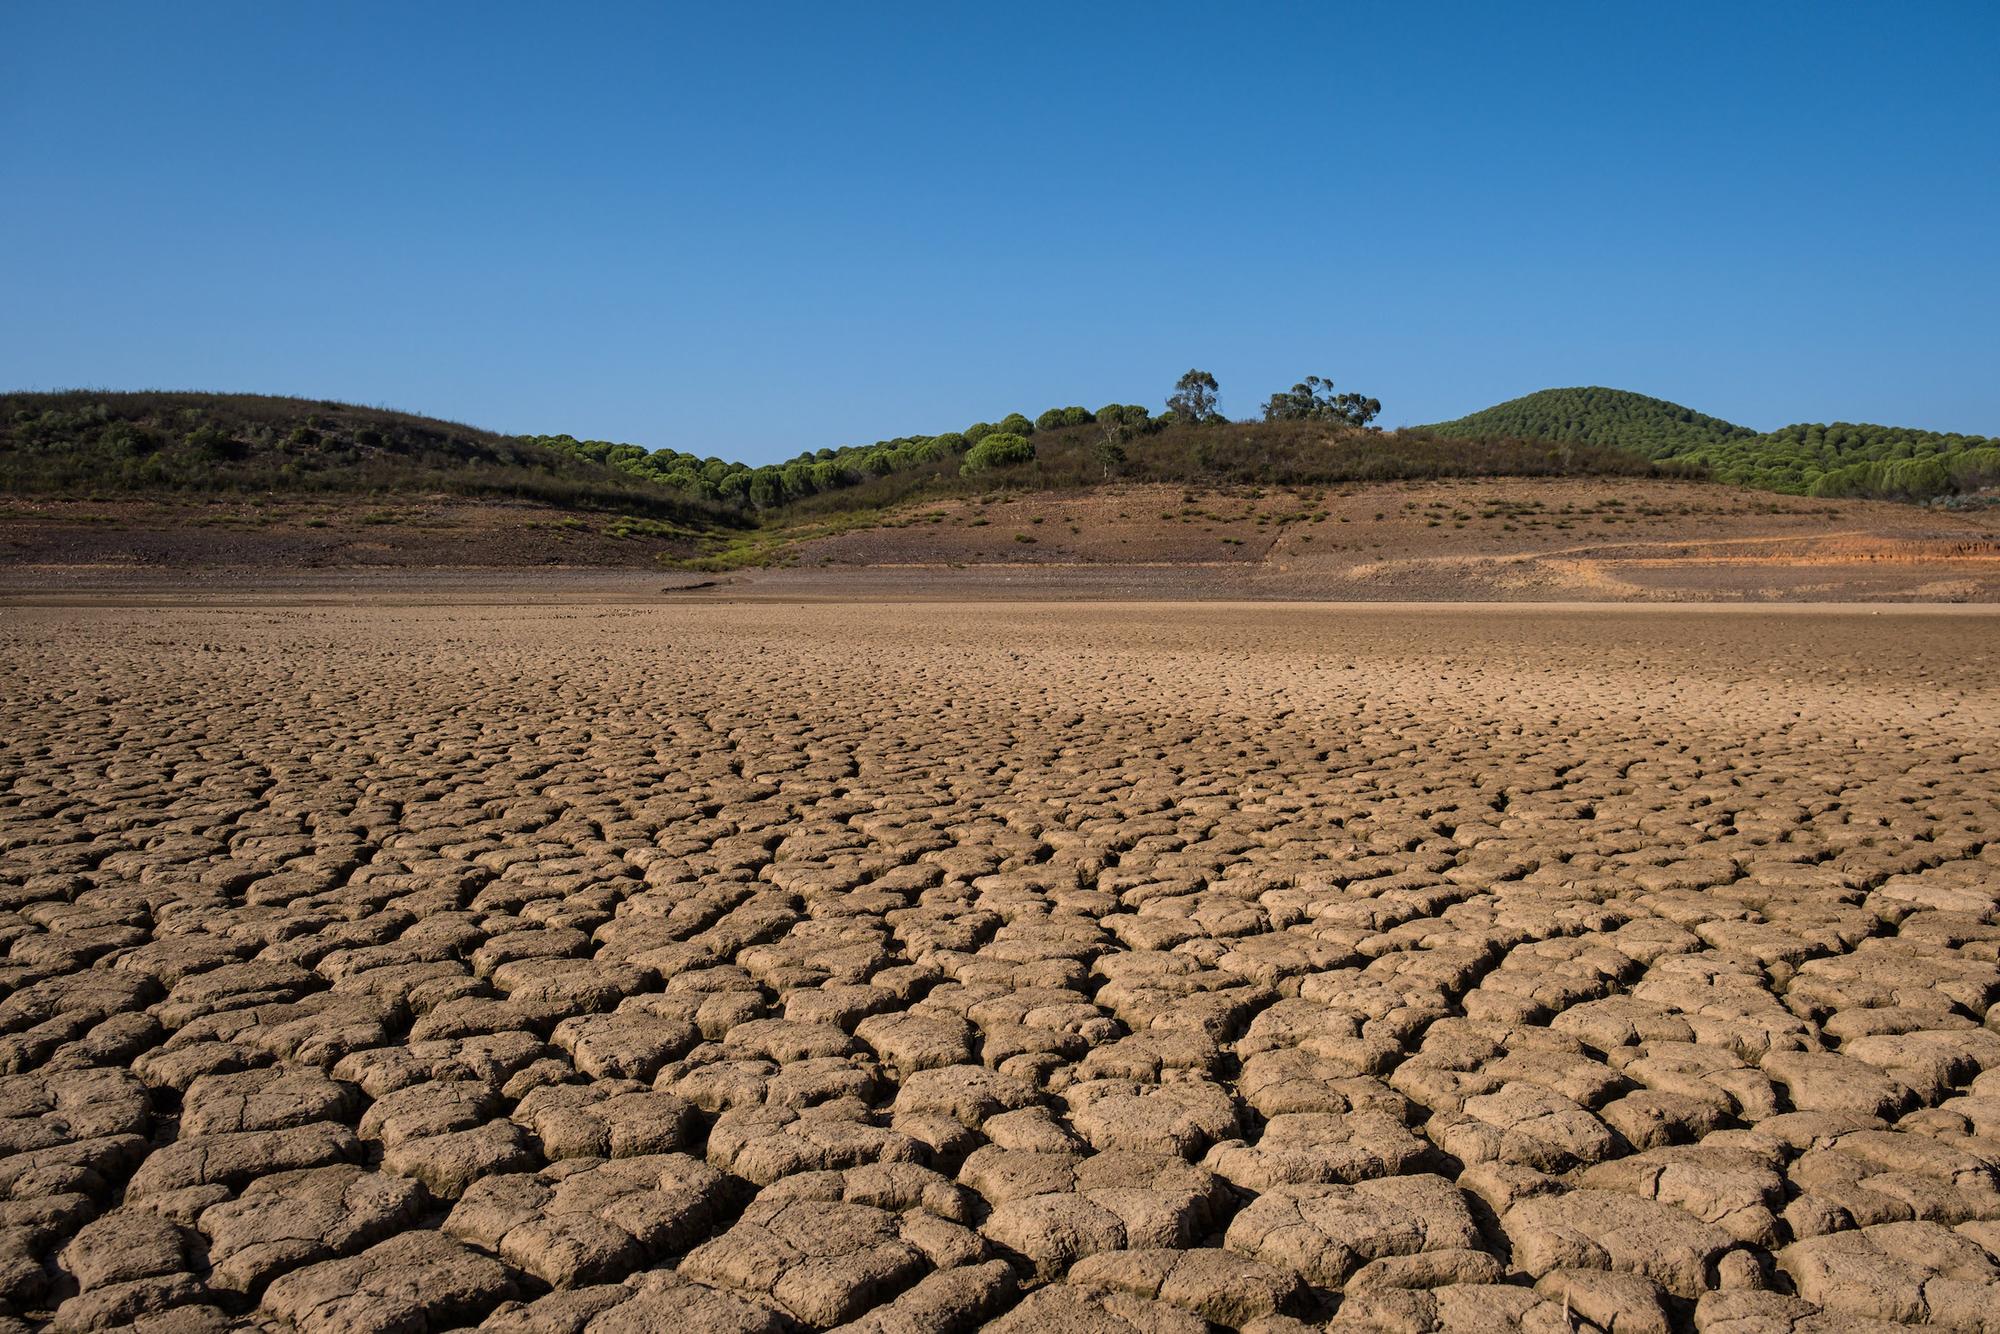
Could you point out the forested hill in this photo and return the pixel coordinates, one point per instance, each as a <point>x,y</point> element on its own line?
<point>1841,459</point>
<point>94,442</point>
<point>97,443</point>
<point>1614,418</point>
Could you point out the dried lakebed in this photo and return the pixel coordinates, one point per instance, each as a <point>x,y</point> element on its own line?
<point>913,968</point>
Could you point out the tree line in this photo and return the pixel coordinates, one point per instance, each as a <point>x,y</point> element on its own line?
<point>981,447</point>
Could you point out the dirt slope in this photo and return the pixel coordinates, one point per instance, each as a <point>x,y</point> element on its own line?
<point>1614,539</point>
<point>1501,539</point>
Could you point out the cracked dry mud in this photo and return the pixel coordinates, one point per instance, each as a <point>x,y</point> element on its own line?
<point>1027,968</point>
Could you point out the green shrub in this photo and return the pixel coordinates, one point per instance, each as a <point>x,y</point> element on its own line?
<point>1057,418</point>
<point>1000,450</point>
<point>798,477</point>
<point>1133,416</point>
<point>629,527</point>
<point>212,442</point>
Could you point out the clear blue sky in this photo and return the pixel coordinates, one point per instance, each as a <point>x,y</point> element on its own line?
<point>750,229</point>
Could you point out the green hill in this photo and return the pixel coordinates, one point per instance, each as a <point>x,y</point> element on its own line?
<point>1073,447</point>
<point>1843,459</point>
<point>87,442</point>
<point>95,443</point>
<point>1594,415</point>
<point>99,444</point>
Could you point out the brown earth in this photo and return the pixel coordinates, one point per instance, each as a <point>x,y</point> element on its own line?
<point>72,543</point>
<point>1148,967</point>
<point>1616,539</point>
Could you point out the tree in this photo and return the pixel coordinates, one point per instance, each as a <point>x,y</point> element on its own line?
<point>1313,399</point>
<point>1119,422</point>
<point>1194,398</point>
<point>1055,418</point>
<point>1110,454</point>
<point>999,450</point>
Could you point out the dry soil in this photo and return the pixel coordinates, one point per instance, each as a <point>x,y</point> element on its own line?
<point>1028,967</point>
